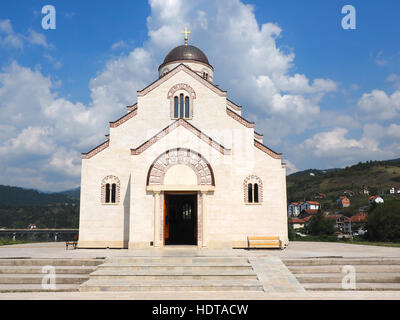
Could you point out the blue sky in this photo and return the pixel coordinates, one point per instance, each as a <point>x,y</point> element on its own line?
<point>323,96</point>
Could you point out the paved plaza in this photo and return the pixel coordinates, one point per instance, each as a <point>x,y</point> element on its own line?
<point>276,279</point>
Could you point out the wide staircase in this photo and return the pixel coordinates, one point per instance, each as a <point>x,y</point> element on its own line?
<point>26,274</point>
<point>327,273</point>
<point>173,274</point>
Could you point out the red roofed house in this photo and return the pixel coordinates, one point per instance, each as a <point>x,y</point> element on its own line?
<point>297,223</point>
<point>376,199</point>
<point>343,223</point>
<point>359,217</point>
<point>293,209</point>
<point>343,202</point>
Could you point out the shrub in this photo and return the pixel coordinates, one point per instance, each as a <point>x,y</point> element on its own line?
<point>320,226</point>
<point>384,222</point>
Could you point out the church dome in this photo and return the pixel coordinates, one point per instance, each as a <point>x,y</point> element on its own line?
<point>186,52</point>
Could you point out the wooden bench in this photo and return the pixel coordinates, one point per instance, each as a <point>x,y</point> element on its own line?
<point>71,243</point>
<point>264,242</point>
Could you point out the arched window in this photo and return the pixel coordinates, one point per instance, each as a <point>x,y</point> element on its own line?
<point>181,98</point>
<point>110,190</point>
<point>187,115</point>
<point>256,192</point>
<point>176,106</point>
<point>107,193</point>
<point>182,107</point>
<point>253,190</point>
<point>113,192</point>
<point>250,192</point>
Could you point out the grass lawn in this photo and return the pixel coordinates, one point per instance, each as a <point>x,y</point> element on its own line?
<point>4,242</point>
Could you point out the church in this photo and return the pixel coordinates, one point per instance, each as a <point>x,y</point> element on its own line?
<point>182,167</point>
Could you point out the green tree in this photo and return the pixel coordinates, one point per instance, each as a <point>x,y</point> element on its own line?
<point>291,232</point>
<point>384,222</point>
<point>320,225</point>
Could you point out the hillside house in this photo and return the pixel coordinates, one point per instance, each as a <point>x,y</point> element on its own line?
<point>297,223</point>
<point>293,209</point>
<point>307,213</point>
<point>342,223</point>
<point>375,199</point>
<point>343,202</point>
<point>320,195</point>
<point>348,193</point>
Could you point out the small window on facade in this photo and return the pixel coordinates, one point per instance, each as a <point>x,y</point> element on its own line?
<point>113,192</point>
<point>253,190</point>
<point>110,190</point>
<point>176,106</point>
<point>107,193</point>
<point>256,193</point>
<point>181,106</point>
<point>187,108</point>
<point>250,192</point>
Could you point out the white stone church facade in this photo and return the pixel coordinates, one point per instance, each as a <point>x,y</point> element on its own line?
<point>182,167</point>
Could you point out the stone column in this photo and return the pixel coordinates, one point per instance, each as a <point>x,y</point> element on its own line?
<point>156,218</point>
<point>204,209</point>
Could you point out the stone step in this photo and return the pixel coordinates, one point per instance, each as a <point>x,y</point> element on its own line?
<point>340,261</point>
<point>50,262</point>
<point>176,260</point>
<point>117,274</point>
<point>360,278</point>
<point>36,288</point>
<point>38,269</point>
<point>181,267</point>
<point>359,286</point>
<point>37,278</point>
<point>338,268</point>
<point>177,285</point>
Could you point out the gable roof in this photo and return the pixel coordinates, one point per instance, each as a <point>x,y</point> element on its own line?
<point>181,67</point>
<point>96,150</point>
<point>132,112</point>
<point>173,126</point>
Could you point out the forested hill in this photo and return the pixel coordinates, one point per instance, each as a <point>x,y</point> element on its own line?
<point>15,196</point>
<point>377,176</point>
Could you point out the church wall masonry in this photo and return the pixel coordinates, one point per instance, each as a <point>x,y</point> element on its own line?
<point>210,154</point>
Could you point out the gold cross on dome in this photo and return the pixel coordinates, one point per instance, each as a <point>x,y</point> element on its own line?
<point>186,32</point>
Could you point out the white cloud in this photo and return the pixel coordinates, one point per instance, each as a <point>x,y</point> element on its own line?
<point>394,131</point>
<point>290,167</point>
<point>379,105</point>
<point>9,38</point>
<point>37,38</point>
<point>119,44</point>
<point>395,80</point>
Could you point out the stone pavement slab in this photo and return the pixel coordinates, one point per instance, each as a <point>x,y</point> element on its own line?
<point>274,275</point>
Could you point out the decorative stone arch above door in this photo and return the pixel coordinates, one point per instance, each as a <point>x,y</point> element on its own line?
<point>180,156</point>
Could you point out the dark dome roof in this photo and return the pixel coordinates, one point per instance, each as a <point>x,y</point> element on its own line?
<point>186,52</point>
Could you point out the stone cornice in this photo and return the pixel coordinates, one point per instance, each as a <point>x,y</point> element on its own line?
<point>258,135</point>
<point>233,105</point>
<point>130,108</point>
<point>173,126</point>
<point>267,150</point>
<point>239,118</point>
<point>183,61</point>
<point>129,115</point>
<point>96,150</point>
<point>174,71</point>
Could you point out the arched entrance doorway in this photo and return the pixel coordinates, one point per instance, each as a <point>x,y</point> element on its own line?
<point>180,180</point>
